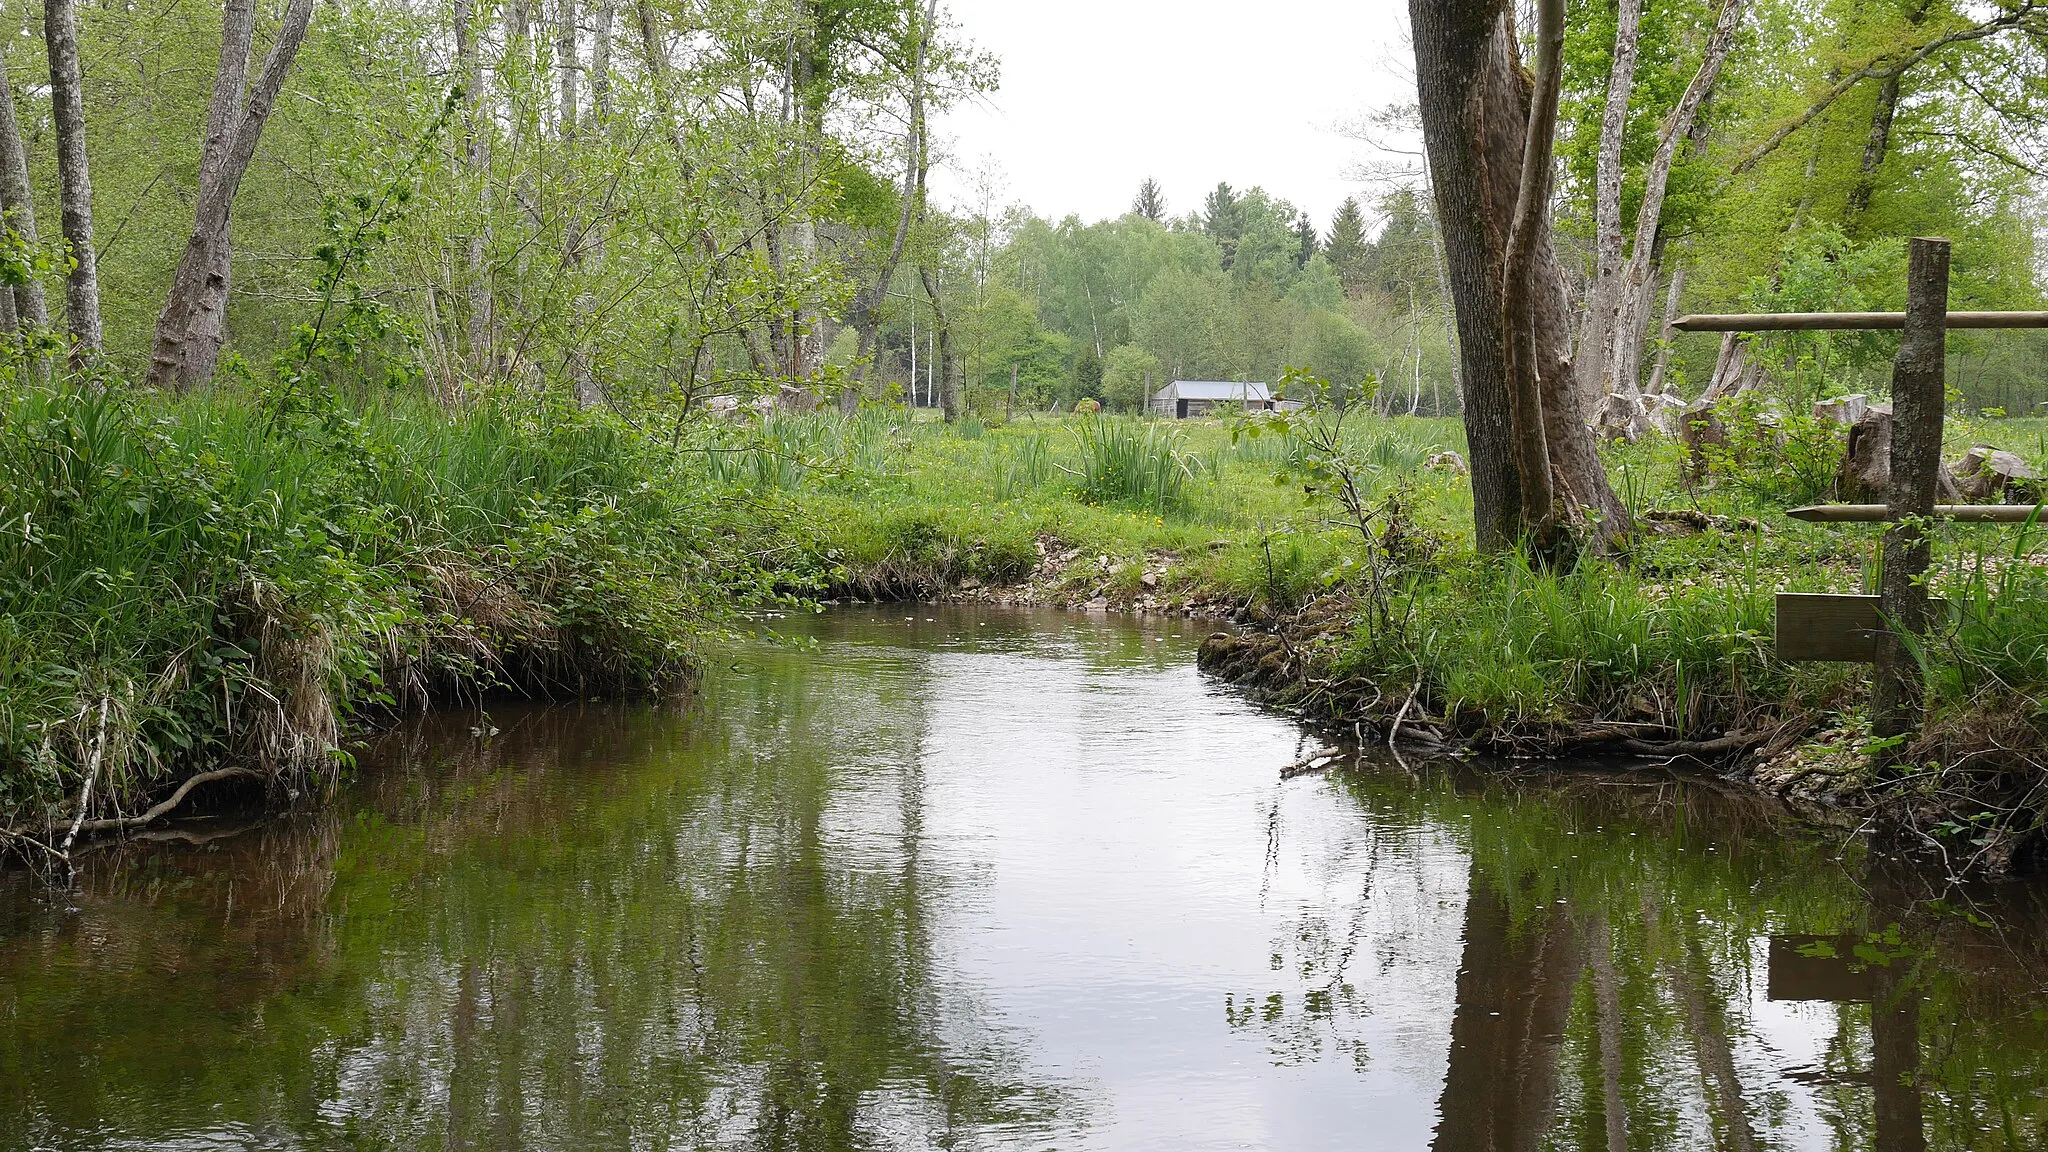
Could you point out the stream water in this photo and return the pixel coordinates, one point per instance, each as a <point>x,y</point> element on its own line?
<point>975,879</point>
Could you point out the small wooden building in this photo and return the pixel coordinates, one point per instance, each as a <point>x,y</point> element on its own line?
<point>1189,399</point>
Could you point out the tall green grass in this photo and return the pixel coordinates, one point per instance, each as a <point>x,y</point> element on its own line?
<point>185,583</point>
<point>1137,462</point>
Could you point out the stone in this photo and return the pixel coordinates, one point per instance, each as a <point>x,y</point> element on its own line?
<point>1449,462</point>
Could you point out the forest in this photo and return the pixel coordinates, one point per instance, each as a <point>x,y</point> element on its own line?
<point>364,355</point>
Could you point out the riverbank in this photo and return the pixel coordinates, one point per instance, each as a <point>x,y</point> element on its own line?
<point>1667,654</point>
<point>215,593</point>
<point>194,588</point>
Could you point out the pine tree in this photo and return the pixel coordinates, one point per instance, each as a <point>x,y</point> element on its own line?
<point>1151,201</point>
<point>1311,243</point>
<point>1223,220</point>
<point>1347,249</point>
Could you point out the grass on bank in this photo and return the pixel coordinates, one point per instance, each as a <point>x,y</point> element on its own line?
<point>186,583</point>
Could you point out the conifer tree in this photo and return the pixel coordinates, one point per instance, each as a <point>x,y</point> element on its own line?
<point>1223,220</point>
<point>1151,201</point>
<point>1311,242</point>
<point>1346,249</point>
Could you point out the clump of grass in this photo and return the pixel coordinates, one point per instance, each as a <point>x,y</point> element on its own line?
<point>1140,463</point>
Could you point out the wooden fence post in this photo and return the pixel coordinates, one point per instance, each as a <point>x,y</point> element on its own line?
<point>1919,397</point>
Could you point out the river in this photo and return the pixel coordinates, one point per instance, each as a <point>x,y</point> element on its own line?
<point>951,878</point>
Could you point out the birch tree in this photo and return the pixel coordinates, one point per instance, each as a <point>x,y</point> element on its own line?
<point>31,313</point>
<point>193,324</point>
<point>74,174</point>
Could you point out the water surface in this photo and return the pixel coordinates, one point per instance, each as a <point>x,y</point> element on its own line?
<point>973,879</point>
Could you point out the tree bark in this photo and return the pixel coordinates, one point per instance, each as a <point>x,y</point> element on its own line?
<point>74,174</point>
<point>1674,298</point>
<point>1532,207</point>
<point>1918,401</point>
<point>1625,355</point>
<point>31,312</point>
<point>1475,103</point>
<point>193,324</point>
<point>1596,334</point>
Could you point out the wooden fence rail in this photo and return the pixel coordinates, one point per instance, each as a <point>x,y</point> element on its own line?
<point>1850,321</point>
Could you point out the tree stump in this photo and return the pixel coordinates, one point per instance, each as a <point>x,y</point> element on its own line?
<point>1866,472</point>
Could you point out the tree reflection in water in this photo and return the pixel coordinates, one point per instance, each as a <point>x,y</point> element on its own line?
<point>547,938</point>
<point>755,926</point>
<point>1628,980</point>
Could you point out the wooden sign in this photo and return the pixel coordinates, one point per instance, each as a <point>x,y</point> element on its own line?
<point>1832,628</point>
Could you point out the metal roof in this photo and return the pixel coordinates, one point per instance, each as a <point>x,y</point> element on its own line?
<point>1214,390</point>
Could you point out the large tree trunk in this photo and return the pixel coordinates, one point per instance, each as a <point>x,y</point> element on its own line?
<point>74,175</point>
<point>1475,103</point>
<point>1518,289</point>
<point>1598,330</point>
<point>193,324</point>
<point>31,313</point>
<point>1632,294</point>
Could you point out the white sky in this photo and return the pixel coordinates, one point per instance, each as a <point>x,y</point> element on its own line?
<point>1098,94</point>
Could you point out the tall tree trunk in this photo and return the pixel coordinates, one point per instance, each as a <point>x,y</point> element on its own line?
<point>1879,145</point>
<point>866,313</point>
<point>482,334</point>
<point>31,313</point>
<point>1598,330</point>
<point>74,175</point>
<point>1674,298</point>
<point>1475,103</point>
<point>1518,309</point>
<point>949,390</point>
<point>601,61</point>
<point>566,66</point>
<point>1632,291</point>
<point>575,230</point>
<point>193,324</point>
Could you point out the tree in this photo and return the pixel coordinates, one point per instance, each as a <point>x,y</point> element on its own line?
<point>865,313</point>
<point>1150,201</point>
<point>1129,377</point>
<point>74,174</point>
<point>1223,221</point>
<point>31,313</point>
<point>1632,290</point>
<point>193,324</point>
<point>1184,321</point>
<point>1476,106</point>
<point>1308,243</point>
<point>1346,247</point>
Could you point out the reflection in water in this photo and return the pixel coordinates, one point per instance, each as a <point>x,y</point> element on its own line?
<point>1002,880</point>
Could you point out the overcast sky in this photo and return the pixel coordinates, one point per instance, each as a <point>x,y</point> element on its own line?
<point>1099,94</point>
